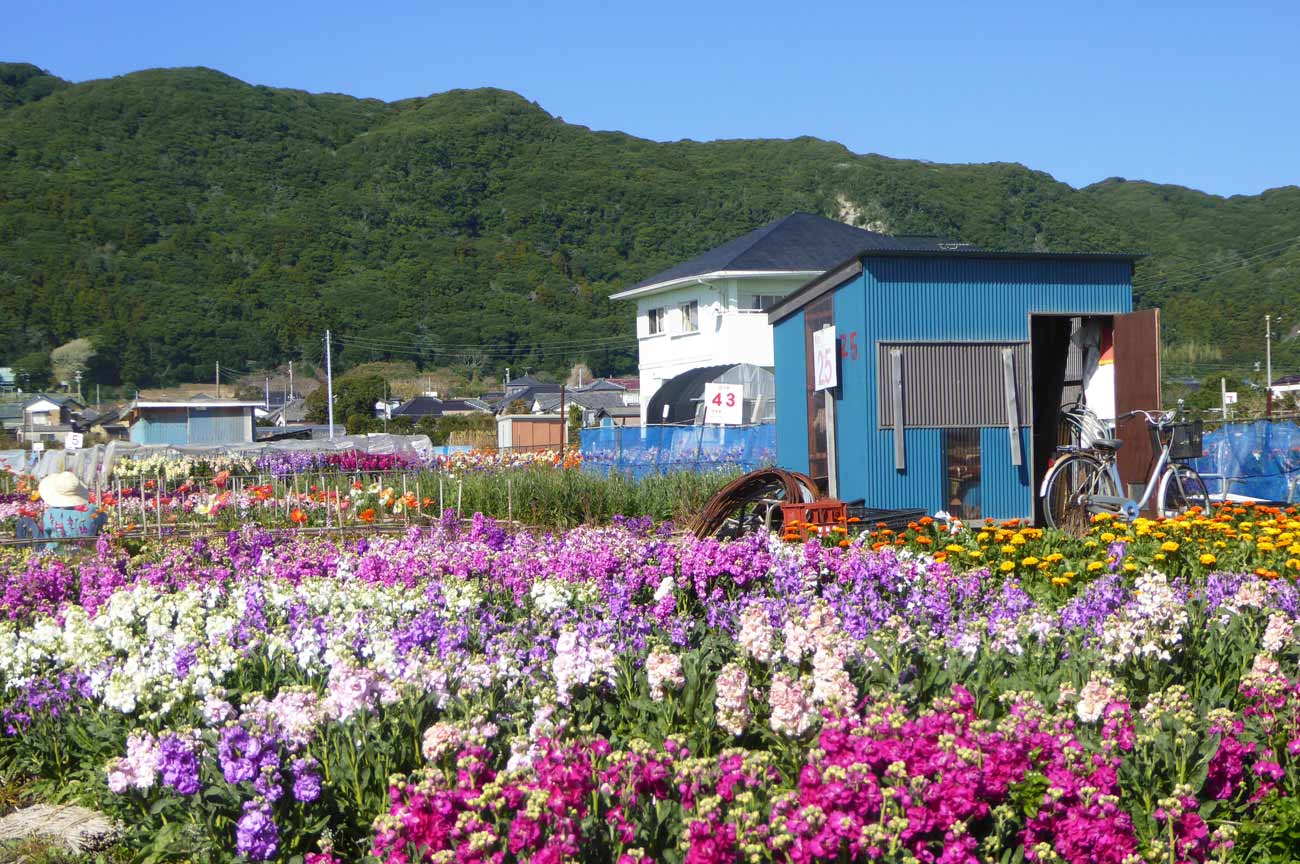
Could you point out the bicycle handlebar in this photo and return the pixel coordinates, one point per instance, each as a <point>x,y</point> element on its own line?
<point>1155,418</point>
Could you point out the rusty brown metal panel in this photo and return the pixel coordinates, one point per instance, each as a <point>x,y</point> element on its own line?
<point>951,385</point>
<point>1137,387</point>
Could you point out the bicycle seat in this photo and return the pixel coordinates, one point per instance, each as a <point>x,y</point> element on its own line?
<point>1111,444</point>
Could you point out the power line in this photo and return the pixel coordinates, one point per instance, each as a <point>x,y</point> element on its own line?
<point>1212,270</point>
<point>442,347</point>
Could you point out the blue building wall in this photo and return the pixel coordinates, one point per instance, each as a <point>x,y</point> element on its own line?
<point>179,426</point>
<point>791,395</point>
<point>160,427</point>
<point>948,299</point>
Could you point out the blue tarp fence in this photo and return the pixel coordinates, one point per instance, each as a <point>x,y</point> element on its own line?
<point>639,451</point>
<point>1260,459</point>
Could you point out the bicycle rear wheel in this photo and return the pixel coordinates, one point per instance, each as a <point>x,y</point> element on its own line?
<point>1074,480</point>
<point>1181,489</point>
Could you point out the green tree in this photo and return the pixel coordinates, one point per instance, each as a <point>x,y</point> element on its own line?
<point>354,402</point>
<point>33,371</point>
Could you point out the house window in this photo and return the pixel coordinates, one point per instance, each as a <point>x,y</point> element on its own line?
<point>762,302</point>
<point>961,458</point>
<point>656,319</point>
<point>690,316</point>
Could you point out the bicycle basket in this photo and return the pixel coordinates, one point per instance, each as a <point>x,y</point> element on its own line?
<point>1186,441</point>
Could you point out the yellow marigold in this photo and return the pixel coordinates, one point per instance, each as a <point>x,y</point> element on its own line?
<point>1008,566</point>
<point>1008,549</point>
<point>1107,537</point>
<point>1094,566</point>
<point>1169,546</point>
<point>1055,556</point>
<point>952,547</point>
<point>1103,517</point>
<point>1060,580</point>
<point>1018,540</point>
<point>982,537</point>
<point>1265,546</point>
<point>1029,561</point>
<point>1293,563</point>
<point>1129,566</point>
<point>974,553</point>
<point>1207,559</point>
<point>1159,556</point>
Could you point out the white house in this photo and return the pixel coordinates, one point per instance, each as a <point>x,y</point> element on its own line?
<point>710,310</point>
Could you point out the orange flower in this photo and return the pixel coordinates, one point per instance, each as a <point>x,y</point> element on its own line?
<point>298,516</point>
<point>367,515</point>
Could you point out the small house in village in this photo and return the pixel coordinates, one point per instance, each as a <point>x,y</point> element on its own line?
<point>711,310</point>
<point>949,368</point>
<point>48,417</point>
<point>603,402</point>
<point>195,421</point>
<point>432,406</point>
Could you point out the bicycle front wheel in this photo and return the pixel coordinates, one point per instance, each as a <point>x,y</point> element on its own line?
<point>1075,479</point>
<point>1181,489</point>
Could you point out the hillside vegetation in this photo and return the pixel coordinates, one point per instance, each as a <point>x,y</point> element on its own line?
<point>180,217</point>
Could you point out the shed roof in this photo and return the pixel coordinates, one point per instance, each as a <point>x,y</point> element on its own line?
<point>798,243</point>
<point>851,267</point>
<point>205,402</point>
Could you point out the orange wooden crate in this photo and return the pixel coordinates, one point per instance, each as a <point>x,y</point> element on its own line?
<point>819,517</point>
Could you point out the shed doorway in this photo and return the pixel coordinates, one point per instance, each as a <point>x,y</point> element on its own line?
<point>1060,365</point>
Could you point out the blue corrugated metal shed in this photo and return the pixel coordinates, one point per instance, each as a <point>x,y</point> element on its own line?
<point>206,421</point>
<point>932,296</point>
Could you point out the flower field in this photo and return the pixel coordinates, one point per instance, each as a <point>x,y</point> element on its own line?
<point>536,492</point>
<point>461,693</point>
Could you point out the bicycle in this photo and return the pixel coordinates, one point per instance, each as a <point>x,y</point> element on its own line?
<point>1085,481</point>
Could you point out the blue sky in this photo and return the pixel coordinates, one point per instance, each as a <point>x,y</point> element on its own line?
<point>1200,94</point>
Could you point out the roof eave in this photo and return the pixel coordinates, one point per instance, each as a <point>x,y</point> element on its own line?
<point>846,270</point>
<point>704,277</point>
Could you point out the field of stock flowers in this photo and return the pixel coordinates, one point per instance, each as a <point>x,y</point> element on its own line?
<point>460,692</point>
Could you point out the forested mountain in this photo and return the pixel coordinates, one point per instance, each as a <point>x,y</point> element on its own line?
<point>180,217</point>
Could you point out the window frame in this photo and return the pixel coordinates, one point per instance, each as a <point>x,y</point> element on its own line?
<point>656,316</point>
<point>687,326</point>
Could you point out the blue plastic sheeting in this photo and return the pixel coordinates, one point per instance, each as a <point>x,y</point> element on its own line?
<point>639,451</point>
<point>1259,459</point>
<point>449,449</point>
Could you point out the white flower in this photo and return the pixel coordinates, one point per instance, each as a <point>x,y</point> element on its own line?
<point>1093,699</point>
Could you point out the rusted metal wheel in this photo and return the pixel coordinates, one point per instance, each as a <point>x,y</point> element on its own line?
<point>752,503</point>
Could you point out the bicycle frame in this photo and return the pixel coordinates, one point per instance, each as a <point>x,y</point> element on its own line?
<point>1110,503</point>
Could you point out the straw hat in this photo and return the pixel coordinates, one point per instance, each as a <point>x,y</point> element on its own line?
<point>63,490</point>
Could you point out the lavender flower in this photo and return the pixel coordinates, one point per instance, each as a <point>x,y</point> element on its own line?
<point>256,834</point>
<point>306,780</point>
<point>179,764</point>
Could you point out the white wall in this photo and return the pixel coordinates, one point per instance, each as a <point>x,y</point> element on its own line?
<point>727,332</point>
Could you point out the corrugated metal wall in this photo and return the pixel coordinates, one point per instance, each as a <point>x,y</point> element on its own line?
<point>217,425</point>
<point>943,299</point>
<point>181,426</point>
<point>791,394</point>
<point>160,427</point>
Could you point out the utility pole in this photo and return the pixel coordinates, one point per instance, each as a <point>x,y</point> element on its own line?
<point>268,393</point>
<point>218,379</point>
<point>329,383</point>
<point>290,395</point>
<point>78,377</point>
<point>1268,352</point>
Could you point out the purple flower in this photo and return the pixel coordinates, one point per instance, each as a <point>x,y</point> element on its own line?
<point>179,764</point>
<point>256,835</point>
<point>306,780</point>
